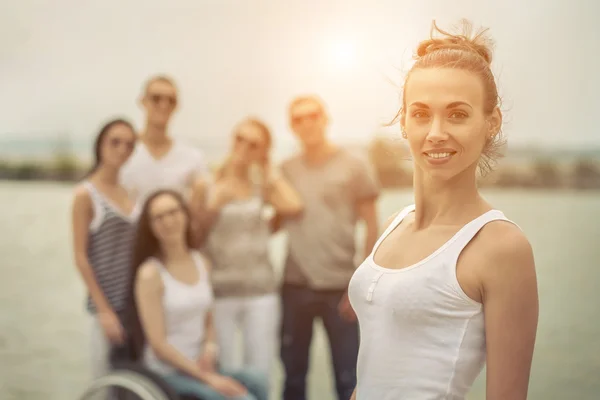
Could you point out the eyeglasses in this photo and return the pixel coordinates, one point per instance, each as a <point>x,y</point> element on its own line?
<point>168,213</point>
<point>116,143</point>
<point>156,99</point>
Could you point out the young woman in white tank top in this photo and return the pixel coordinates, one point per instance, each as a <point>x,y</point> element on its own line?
<point>170,328</point>
<point>451,283</point>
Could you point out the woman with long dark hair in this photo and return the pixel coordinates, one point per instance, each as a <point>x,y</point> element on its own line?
<point>171,327</point>
<point>104,217</point>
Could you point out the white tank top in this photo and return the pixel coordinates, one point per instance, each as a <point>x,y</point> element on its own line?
<point>421,336</point>
<point>185,308</point>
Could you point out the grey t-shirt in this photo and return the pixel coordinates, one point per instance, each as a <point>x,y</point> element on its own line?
<point>321,243</point>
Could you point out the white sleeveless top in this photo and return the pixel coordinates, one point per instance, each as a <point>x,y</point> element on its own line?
<point>185,308</point>
<point>422,337</point>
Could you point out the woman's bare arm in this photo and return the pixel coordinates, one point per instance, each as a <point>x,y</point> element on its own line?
<point>510,301</point>
<point>82,216</point>
<point>210,335</point>
<point>148,293</point>
<point>283,197</point>
<point>203,210</point>
<point>276,223</point>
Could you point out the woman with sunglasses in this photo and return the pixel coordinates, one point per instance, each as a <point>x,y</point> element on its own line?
<point>104,217</point>
<point>171,321</point>
<point>237,244</point>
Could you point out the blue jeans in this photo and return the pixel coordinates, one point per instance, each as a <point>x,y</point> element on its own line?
<point>300,307</point>
<point>255,382</point>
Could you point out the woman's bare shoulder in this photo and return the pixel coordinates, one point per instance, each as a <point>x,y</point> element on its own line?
<point>148,276</point>
<point>506,250</point>
<point>504,239</point>
<point>81,193</point>
<point>82,202</point>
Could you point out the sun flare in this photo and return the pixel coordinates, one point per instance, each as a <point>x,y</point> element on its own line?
<point>342,54</point>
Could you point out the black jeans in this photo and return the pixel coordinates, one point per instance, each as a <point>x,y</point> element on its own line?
<point>300,307</point>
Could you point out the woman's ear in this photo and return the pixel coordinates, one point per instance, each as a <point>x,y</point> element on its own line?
<point>494,123</point>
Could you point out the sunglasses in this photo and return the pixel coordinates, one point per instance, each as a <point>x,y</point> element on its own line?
<point>116,143</point>
<point>157,99</point>
<point>312,117</point>
<point>253,145</point>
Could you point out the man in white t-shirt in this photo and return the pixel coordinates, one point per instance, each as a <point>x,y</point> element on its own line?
<point>158,161</point>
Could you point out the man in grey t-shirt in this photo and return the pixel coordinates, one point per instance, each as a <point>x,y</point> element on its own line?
<point>338,191</point>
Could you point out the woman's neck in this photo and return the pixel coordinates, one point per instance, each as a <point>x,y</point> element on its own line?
<point>240,172</point>
<point>446,202</point>
<point>236,172</point>
<point>107,176</point>
<point>174,253</point>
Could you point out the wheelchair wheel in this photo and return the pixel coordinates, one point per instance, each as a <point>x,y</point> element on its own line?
<point>127,385</point>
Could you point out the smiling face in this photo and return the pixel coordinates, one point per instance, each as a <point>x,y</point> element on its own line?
<point>168,219</point>
<point>445,122</point>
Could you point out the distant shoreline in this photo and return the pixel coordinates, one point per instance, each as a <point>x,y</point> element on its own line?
<point>400,181</point>
<point>517,169</point>
<point>389,161</point>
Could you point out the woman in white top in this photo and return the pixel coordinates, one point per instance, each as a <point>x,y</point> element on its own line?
<point>171,328</point>
<point>451,282</point>
<point>104,218</point>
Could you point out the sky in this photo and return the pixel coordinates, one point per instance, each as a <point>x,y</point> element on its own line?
<point>67,66</point>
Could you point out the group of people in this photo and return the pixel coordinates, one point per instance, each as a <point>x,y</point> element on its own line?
<point>176,259</point>
<point>187,252</point>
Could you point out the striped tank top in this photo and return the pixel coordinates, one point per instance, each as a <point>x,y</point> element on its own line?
<point>110,246</point>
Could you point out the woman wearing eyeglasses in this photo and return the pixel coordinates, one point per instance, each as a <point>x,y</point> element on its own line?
<point>170,320</point>
<point>237,242</point>
<point>104,218</point>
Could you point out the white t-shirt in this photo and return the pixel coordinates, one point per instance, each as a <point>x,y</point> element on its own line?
<point>143,174</point>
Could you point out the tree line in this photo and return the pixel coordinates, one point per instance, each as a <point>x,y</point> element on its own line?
<point>391,161</point>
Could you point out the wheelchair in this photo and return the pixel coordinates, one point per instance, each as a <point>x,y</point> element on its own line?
<point>130,380</point>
